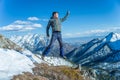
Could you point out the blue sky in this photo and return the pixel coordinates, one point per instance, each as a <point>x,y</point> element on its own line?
<point>87,17</point>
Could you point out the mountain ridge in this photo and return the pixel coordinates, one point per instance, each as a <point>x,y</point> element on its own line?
<point>8,44</point>
<point>98,53</point>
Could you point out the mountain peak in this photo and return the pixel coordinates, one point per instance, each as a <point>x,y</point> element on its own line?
<point>111,37</point>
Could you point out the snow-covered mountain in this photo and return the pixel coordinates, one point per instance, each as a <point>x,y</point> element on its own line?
<point>103,55</point>
<point>99,53</point>
<point>36,43</point>
<point>32,42</point>
<point>15,60</point>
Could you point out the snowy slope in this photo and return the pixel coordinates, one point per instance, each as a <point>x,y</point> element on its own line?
<point>12,63</point>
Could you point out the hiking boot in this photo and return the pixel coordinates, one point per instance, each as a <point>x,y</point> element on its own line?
<point>64,57</point>
<point>42,57</point>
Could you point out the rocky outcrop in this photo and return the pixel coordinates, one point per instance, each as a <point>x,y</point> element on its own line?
<point>45,72</point>
<point>8,44</point>
<point>29,76</point>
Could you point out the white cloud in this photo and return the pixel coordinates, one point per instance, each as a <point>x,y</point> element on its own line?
<point>33,18</point>
<point>11,27</point>
<point>68,34</point>
<point>71,34</point>
<point>102,31</point>
<point>37,25</point>
<point>21,22</point>
<point>95,32</point>
<point>20,25</point>
<point>36,19</point>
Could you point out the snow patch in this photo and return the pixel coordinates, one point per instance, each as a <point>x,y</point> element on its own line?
<point>13,63</point>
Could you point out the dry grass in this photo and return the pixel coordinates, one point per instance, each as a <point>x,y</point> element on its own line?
<point>28,76</point>
<point>51,73</point>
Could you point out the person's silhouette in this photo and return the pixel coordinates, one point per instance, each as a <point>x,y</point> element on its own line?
<point>55,23</point>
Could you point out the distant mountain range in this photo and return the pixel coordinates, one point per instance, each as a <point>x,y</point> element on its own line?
<point>80,40</point>
<point>37,43</point>
<point>99,53</point>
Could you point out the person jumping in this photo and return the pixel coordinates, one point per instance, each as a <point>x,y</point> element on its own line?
<point>55,23</point>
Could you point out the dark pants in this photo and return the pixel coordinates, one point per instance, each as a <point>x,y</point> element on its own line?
<point>55,36</point>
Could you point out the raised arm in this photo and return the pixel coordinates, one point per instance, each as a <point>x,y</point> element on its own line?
<point>65,17</point>
<point>47,28</point>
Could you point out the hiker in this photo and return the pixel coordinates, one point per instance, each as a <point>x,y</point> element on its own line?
<point>55,23</point>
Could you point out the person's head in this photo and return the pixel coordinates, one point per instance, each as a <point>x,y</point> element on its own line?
<point>55,15</point>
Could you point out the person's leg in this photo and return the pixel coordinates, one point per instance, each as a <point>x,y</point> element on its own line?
<point>61,44</point>
<point>47,49</point>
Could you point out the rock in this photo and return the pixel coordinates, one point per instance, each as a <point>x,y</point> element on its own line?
<point>44,72</point>
<point>29,76</point>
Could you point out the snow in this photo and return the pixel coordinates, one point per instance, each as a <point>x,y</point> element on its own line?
<point>55,61</point>
<point>30,41</point>
<point>11,60</point>
<point>36,41</point>
<point>115,37</point>
<point>13,63</point>
<point>29,38</point>
<point>113,40</point>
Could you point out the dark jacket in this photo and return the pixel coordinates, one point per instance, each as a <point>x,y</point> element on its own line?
<point>56,24</point>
